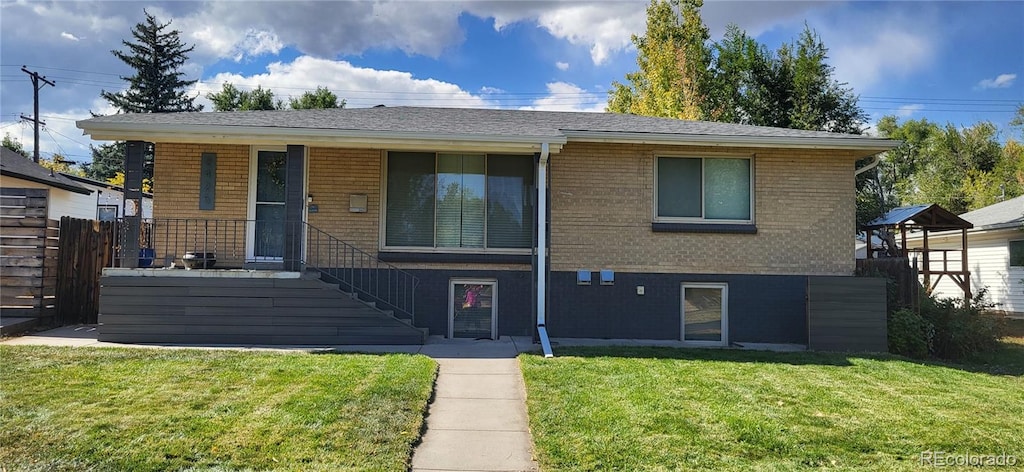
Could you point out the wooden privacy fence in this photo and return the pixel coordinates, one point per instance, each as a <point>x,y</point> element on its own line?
<point>903,288</point>
<point>28,255</point>
<point>85,249</point>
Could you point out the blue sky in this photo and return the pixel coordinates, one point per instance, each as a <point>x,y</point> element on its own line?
<point>956,62</point>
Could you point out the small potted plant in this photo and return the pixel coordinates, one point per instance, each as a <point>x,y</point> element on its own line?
<point>199,260</point>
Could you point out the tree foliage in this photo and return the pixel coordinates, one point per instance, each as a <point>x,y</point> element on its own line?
<point>58,163</point>
<point>738,80</point>
<point>156,56</point>
<point>13,144</point>
<point>230,98</point>
<point>107,160</point>
<point>320,98</point>
<point>960,169</point>
<point>673,57</point>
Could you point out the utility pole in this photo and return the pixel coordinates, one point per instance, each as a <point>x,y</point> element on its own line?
<point>36,86</point>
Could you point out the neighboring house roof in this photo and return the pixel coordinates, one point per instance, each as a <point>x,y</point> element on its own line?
<point>1006,214</point>
<point>17,166</point>
<point>100,183</point>
<point>930,217</point>
<point>373,125</point>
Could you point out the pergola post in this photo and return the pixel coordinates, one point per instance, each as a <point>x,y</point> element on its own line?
<point>963,265</point>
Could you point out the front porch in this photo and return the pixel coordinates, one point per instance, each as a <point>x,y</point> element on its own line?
<point>238,306</point>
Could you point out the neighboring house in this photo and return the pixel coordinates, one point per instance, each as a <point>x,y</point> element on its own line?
<point>657,228</point>
<point>110,198</point>
<point>66,197</point>
<point>995,254</point>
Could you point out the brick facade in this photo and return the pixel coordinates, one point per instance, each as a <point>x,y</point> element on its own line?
<point>602,198</point>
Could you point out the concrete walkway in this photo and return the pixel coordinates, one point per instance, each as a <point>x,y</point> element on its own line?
<point>476,422</point>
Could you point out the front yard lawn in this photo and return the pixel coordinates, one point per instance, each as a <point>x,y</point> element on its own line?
<point>683,409</point>
<point>149,409</point>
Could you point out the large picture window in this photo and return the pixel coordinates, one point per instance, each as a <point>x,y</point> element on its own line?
<point>458,201</point>
<point>704,189</point>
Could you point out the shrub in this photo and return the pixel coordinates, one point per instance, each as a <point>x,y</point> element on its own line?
<point>910,334</point>
<point>960,329</point>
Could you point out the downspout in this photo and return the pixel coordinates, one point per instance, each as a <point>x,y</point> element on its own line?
<point>874,163</point>
<point>542,248</point>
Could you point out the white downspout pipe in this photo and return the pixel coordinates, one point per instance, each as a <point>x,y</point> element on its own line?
<point>542,248</point>
<point>874,163</point>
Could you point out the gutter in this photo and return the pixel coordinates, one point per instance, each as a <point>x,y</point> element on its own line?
<point>542,248</point>
<point>157,132</point>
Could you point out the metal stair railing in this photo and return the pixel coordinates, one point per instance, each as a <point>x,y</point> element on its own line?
<point>360,273</point>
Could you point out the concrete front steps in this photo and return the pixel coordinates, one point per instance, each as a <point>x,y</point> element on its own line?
<point>202,307</point>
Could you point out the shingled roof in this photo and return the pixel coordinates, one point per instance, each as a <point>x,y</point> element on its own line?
<point>466,124</point>
<point>16,166</point>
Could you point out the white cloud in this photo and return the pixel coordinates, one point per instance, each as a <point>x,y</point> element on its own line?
<point>359,86</point>
<point>491,90</point>
<point>562,65</point>
<point>906,110</point>
<point>564,96</point>
<point>867,51</point>
<point>68,36</point>
<point>1001,81</point>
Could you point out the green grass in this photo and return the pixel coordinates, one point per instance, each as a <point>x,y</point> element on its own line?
<point>147,409</point>
<point>684,409</point>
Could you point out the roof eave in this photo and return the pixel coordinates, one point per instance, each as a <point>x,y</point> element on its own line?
<point>870,146</point>
<point>267,135</point>
<point>50,183</point>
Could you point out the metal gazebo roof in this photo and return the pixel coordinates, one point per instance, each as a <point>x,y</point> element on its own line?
<point>927,217</point>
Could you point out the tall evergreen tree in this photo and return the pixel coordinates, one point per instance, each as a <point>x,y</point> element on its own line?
<point>107,161</point>
<point>157,85</point>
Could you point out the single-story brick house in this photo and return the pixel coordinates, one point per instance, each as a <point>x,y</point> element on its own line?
<point>656,228</point>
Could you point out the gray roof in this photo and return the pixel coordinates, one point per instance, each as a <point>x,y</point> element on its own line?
<point>931,217</point>
<point>1006,214</point>
<point>465,121</point>
<point>17,166</point>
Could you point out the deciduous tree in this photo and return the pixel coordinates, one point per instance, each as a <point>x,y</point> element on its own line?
<point>321,98</point>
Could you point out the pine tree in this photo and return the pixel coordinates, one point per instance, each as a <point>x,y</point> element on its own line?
<point>157,85</point>
<point>107,161</point>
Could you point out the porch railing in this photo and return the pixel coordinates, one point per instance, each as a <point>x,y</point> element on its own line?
<point>252,244</point>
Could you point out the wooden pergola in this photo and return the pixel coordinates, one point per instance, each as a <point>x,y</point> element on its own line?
<point>928,218</point>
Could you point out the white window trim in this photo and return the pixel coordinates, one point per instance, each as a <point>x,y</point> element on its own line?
<point>250,216</point>
<point>703,157</point>
<point>382,227</point>
<point>451,303</point>
<point>725,312</point>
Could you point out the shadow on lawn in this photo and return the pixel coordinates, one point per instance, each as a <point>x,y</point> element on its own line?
<point>1007,360</point>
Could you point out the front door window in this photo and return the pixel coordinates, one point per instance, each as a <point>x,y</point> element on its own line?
<point>270,199</point>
